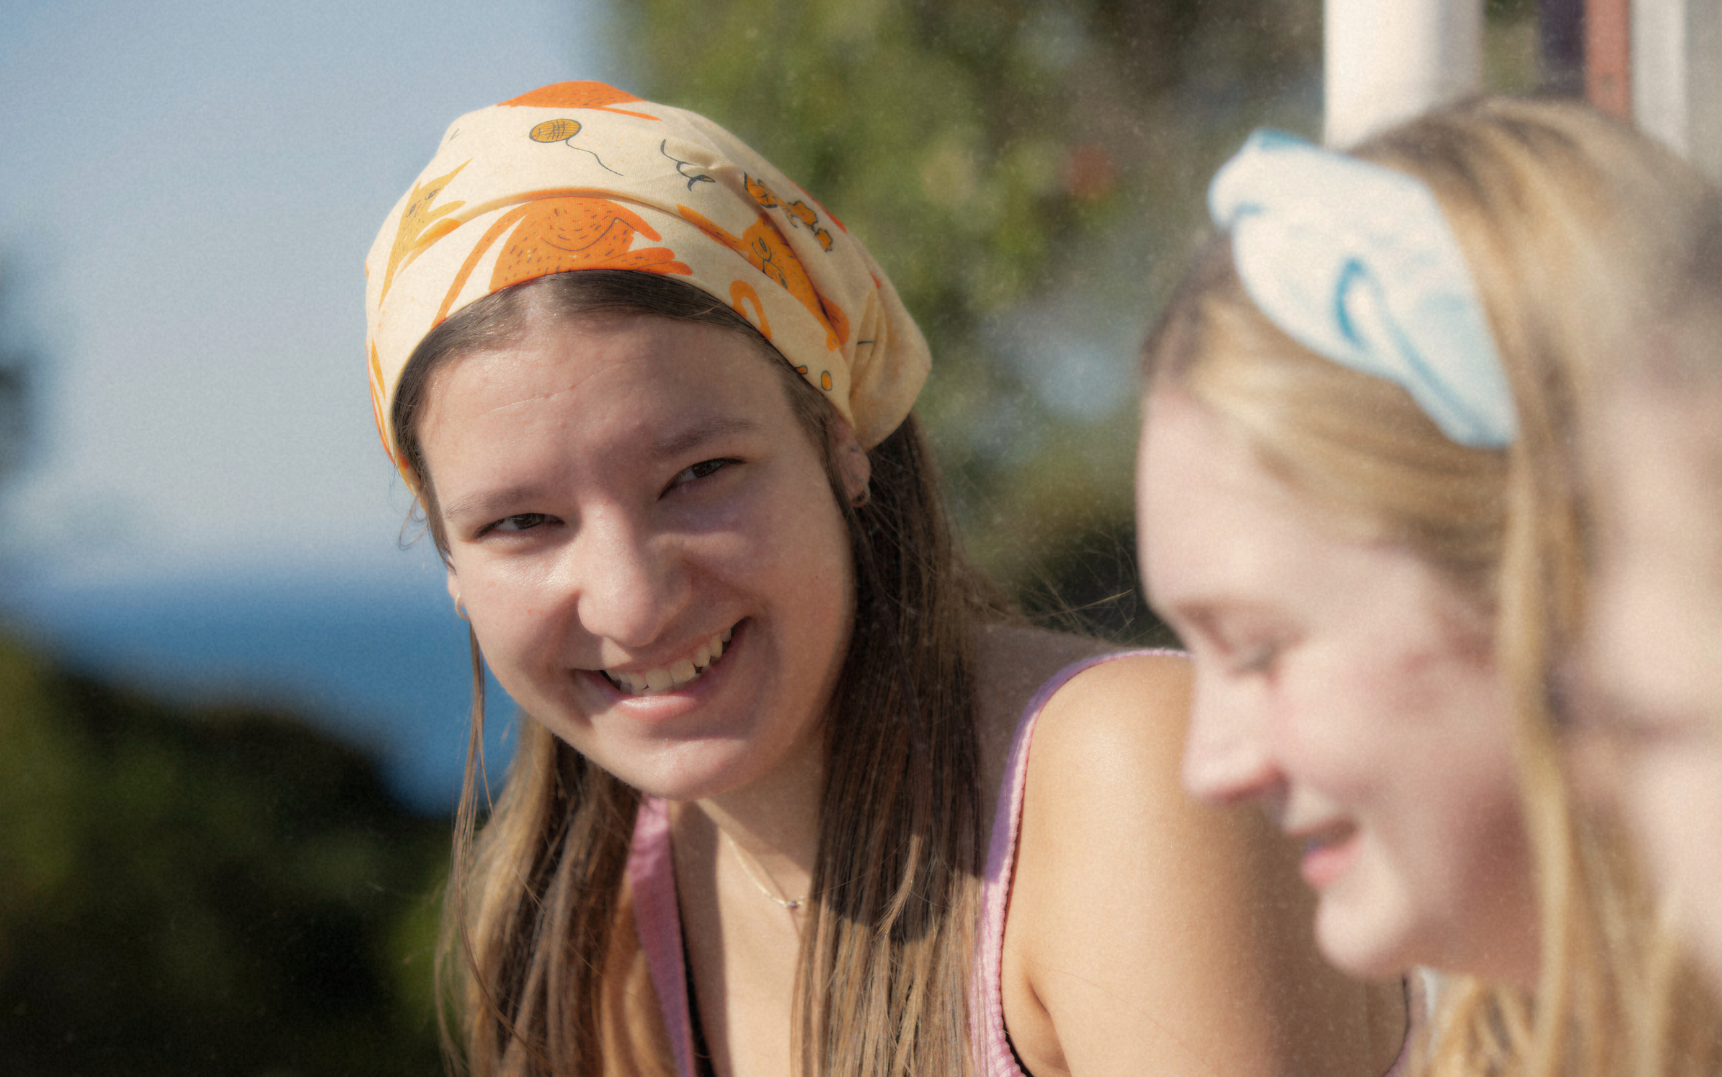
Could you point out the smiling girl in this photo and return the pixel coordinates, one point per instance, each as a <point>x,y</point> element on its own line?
<point>773,808</point>
<point>1358,507</point>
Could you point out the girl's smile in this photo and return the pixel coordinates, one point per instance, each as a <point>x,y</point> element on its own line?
<point>669,701</point>
<point>678,674</point>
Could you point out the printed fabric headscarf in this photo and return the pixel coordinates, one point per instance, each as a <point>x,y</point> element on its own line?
<point>1356,262</point>
<point>581,175</point>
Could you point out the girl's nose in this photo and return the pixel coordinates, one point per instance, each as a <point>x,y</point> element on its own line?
<point>627,586</point>
<point>1227,755</point>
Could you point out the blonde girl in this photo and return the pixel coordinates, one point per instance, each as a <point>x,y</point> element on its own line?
<point>1359,506</point>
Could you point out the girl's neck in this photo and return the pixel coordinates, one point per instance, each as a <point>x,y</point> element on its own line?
<point>773,820</point>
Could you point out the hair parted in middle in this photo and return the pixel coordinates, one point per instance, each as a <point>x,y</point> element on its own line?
<point>1568,222</point>
<point>535,957</point>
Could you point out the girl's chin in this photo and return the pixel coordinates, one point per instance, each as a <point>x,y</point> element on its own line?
<point>1362,960</point>
<point>1363,937</point>
<point>688,772</point>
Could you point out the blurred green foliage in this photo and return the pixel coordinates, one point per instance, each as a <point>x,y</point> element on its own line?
<point>1031,175</point>
<point>217,891</point>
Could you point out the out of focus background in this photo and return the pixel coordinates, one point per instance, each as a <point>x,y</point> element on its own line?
<point>232,692</point>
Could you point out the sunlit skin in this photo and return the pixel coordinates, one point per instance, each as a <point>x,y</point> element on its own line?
<point>1343,686</point>
<point>1654,739</point>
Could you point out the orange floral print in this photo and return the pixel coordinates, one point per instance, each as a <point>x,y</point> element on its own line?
<point>420,226</point>
<point>377,395</point>
<point>797,210</point>
<point>769,252</point>
<point>741,291</point>
<point>558,130</point>
<point>580,95</point>
<point>556,234</point>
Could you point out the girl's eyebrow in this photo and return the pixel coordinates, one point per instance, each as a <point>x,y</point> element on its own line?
<point>692,437</point>
<point>489,502</point>
<point>494,502</point>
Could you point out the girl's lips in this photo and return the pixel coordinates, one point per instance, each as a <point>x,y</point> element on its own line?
<point>669,704</point>
<point>1328,854</point>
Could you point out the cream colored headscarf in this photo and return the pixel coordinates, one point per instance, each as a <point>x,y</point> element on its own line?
<point>581,175</point>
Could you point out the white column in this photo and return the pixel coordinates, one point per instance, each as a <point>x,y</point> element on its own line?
<point>1388,60</point>
<point>1677,77</point>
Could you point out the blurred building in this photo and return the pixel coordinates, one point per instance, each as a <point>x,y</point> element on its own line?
<point>1658,62</point>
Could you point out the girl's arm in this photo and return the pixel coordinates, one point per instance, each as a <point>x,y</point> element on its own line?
<point>1148,933</point>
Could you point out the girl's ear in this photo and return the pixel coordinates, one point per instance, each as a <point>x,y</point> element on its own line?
<point>852,460</point>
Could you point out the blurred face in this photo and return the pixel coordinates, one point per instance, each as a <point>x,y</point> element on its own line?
<point>1656,652</point>
<point>645,540</point>
<point>1344,689</point>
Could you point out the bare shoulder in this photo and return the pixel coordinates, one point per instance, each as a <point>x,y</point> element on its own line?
<point>1147,931</point>
<point>1016,662</point>
<point>1126,716</point>
<point>1137,698</point>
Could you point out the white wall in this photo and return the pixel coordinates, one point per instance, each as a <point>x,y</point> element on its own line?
<point>1677,76</point>
<point>1388,60</point>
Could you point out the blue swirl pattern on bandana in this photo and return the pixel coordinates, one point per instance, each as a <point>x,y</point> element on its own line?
<point>1357,263</point>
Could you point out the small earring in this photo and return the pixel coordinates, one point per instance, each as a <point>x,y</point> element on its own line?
<point>861,499</point>
<point>460,610</point>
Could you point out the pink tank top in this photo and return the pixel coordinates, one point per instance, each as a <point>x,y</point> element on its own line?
<point>652,876</point>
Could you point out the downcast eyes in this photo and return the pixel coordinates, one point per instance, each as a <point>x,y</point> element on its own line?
<point>699,471</point>
<point>524,521</point>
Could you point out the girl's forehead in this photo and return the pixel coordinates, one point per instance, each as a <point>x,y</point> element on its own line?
<point>659,358</point>
<point>1220,530</point>
<point>613,392</point>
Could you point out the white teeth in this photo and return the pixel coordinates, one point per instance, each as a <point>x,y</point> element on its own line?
<point>678,673</point>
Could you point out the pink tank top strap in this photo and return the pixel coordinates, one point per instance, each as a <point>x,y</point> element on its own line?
<point>994,1057</point>
<point>657,917</point>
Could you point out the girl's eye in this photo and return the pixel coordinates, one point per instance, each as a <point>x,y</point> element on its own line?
<point>524,521</point>
<point>1635,730</point>
<point>699,471</point>
<point>1255,659</point>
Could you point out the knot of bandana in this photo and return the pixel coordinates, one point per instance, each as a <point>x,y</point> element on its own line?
<point>1357,263</point>
<point>581,175</point>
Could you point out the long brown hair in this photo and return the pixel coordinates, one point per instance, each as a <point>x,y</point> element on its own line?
<point>1565,219</point>
<point>536,898</point>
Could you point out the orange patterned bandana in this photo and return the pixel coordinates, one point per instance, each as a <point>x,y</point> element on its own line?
<point>580,175</point>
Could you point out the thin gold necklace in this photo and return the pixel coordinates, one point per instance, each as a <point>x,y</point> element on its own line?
<point>792,904</point>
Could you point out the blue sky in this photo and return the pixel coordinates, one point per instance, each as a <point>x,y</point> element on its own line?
<point>187,193</point>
